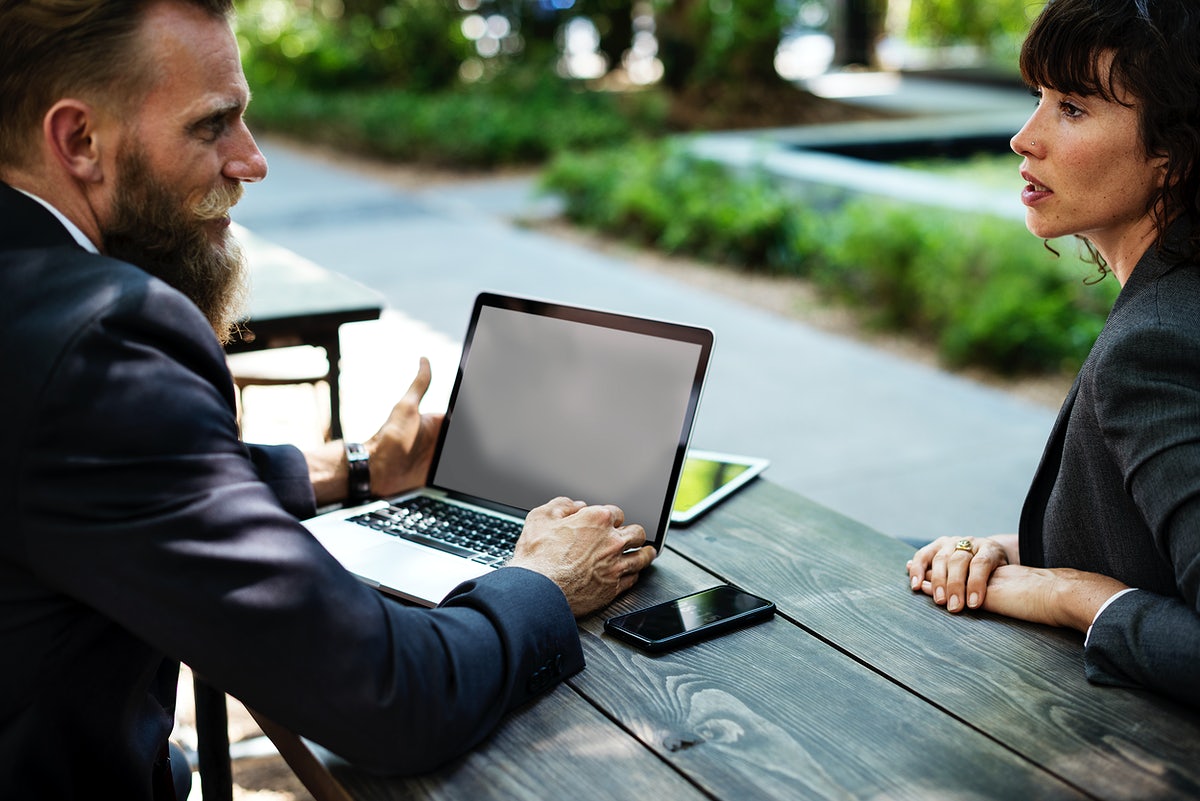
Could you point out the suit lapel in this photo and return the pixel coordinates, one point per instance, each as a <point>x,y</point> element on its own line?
<point>1152,265</point>
<point>24,223</point>
<point>1033,513</point>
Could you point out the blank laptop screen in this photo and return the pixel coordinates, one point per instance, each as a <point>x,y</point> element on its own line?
<point>547,406</point>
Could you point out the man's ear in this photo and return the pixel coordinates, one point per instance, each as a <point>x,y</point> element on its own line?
<point>69,128</point>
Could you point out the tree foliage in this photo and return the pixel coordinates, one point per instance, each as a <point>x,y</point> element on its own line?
<point>414,44</point>
<point>709,42</point>
<point>953,21</point>
<point>614,22</point>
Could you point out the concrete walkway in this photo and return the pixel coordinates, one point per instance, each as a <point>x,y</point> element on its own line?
<point>907,449</point>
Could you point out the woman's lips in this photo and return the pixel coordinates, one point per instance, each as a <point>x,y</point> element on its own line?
<point>1033,191</point>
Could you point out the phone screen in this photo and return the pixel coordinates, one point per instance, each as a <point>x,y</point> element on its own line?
<point>690,618</point>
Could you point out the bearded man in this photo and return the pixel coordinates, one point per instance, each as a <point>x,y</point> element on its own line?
<point>138,531</point>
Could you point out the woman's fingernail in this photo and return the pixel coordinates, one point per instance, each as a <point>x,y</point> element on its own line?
<point>939,595</point>
<point>973,601</point>
<point>916,582</point>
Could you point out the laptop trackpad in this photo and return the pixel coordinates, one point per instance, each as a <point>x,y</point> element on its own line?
<point>413,572</point>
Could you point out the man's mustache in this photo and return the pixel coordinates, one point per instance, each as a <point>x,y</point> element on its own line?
<point>217,203</point>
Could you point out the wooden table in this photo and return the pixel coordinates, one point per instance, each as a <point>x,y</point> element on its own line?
<point>857,689</point>
<point>296,302</point>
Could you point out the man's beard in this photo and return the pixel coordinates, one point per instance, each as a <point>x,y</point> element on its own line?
<point>156,231</point>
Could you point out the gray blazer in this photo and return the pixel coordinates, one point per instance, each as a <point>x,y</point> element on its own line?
<point>1118,488</point>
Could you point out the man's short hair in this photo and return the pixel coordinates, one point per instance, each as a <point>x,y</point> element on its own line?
<point>86,49</point>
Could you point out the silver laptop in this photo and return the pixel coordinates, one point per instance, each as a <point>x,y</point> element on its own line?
<point>549,400</point>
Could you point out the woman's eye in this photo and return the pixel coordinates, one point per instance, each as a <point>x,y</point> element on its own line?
<point>1070,109</point>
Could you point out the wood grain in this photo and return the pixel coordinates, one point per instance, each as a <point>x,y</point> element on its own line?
<point>559,747</point>
<point>1019,683</point>
<point>857,689</point>
<point>771,712</point>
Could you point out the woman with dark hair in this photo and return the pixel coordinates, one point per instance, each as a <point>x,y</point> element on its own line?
<point>1109,537</point>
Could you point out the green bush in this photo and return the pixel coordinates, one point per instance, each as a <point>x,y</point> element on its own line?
<point>656,194</point>
<point>515,121</point>
<point>869,258</point>
<point>981,287</point>
<point>381,77</point>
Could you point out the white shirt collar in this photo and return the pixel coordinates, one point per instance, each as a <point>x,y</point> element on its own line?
<point>71,227</point>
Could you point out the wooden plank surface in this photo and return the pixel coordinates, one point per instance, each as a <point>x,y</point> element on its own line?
<point>559,747</point>
<point>1018,683</point>
<point>857,689</point>
<point>771,712</point>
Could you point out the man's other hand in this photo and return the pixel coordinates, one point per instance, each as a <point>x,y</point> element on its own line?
<point>402,449</point>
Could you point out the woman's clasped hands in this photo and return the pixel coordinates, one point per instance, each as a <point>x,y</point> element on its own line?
<point>985,573</point>
<point>955,571</point>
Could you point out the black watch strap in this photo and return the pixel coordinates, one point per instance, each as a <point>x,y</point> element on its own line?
<point>359,490</point>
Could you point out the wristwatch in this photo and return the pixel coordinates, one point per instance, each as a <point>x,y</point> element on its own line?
<point>359,461</point>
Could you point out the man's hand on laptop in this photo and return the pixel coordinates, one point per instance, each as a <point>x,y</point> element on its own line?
<point>585,550</point>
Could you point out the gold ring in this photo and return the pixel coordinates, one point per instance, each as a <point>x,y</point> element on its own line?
<point>964,545</point>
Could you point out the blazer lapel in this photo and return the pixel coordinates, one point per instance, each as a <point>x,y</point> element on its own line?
<point>1033,513</point>
<point>24,223</point>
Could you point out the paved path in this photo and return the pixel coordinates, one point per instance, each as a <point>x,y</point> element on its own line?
<point>905,448</point>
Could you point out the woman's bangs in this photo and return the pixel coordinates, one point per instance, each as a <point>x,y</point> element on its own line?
<point>1063,54</point>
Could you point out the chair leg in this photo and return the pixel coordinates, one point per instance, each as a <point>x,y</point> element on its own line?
<point>212,742</point>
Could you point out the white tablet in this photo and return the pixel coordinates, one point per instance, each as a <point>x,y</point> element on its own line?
<point>709,478</point>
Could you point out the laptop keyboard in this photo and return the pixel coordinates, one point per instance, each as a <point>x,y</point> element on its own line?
<point>447,527</point>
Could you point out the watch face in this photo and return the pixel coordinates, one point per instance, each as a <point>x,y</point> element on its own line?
<point>357,459</point>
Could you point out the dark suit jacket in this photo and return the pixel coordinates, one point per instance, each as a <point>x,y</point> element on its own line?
<point>138,532</point>
<point>1118,489</point>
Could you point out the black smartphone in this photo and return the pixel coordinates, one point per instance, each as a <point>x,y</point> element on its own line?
<point>690,618</point>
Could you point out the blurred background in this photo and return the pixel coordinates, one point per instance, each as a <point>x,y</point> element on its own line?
<point>610,103</point>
